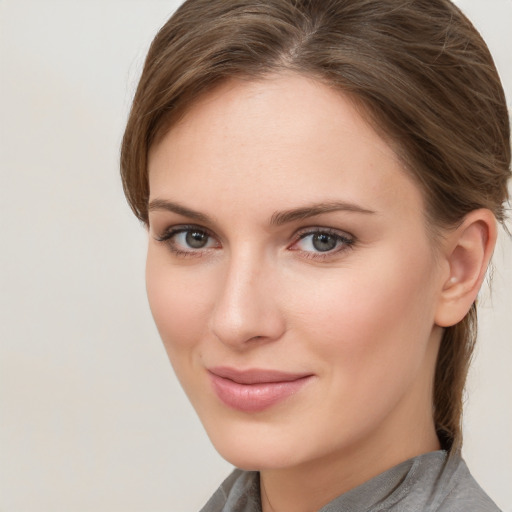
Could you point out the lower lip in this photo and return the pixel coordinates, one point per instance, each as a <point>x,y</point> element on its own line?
<point>255,397</point>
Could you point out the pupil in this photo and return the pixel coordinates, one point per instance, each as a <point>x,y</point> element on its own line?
<point>196,239</point>
<point>323,242</point>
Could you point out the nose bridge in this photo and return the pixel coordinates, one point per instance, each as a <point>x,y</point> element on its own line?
<point>246,307</point>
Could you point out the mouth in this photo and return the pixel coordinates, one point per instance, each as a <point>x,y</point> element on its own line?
<point>255,390</point>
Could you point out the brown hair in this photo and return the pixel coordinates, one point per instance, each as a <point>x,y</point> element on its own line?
<point>418,68</point>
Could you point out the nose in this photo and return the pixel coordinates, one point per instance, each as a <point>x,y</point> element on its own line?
<point>247,307</point>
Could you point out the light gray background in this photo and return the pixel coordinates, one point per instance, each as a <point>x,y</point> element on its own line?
<point>92,418</point>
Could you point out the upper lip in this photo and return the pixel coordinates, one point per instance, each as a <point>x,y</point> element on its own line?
<point>255,375</point>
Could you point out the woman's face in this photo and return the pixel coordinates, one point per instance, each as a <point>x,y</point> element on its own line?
<point>291,276</point>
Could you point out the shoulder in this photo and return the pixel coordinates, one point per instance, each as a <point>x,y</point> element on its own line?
<point>464,493</point>
<point>437,482</point>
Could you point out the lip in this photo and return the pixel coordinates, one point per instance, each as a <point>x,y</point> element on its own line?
<point>254,390</point>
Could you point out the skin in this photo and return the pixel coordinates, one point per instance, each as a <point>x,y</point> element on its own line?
<point>364,319</point>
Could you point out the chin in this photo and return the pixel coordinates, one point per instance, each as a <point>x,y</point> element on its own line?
<point>257,458</point>
<point>255,451</point>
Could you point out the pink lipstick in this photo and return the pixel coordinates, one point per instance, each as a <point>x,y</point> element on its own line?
<point>255,390</point>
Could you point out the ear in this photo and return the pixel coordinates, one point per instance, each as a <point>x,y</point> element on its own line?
<point>467,252</point>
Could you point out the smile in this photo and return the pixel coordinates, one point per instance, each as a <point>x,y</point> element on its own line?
<point>254,390</point>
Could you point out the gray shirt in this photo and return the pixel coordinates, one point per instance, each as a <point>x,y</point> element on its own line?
<point>431,482</point>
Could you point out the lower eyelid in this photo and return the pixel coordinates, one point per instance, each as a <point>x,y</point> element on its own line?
<point>327,255</point>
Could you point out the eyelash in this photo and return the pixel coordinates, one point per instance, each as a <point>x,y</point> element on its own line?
<point>344,241</point>
<point>168,239</point>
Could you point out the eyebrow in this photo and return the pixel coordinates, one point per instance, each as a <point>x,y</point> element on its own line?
<point>277,219</point>
<point>162,204</point>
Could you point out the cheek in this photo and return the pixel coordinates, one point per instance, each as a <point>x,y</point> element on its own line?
<point>368,331</point>
<point>179,302</point>
<point>372,316</point>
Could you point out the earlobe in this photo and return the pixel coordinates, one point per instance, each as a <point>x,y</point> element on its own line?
<point>468,251</point>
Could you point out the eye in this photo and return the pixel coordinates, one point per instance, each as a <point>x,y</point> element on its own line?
<point>320,242</point>
<point>188,240</point>
<point>194,239</point>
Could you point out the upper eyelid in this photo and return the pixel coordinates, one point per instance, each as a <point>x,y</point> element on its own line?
<point>179,228</point>
<point>311,230</point>
<point>347,239</point>
<point>161,217</point>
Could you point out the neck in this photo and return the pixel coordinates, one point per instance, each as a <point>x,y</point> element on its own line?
<point>310,486</point>
<point>407,431</point>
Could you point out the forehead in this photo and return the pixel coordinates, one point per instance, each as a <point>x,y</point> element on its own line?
<point>281,139</point>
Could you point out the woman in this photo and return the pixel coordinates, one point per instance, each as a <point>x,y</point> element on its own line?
<point>321,182</point>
